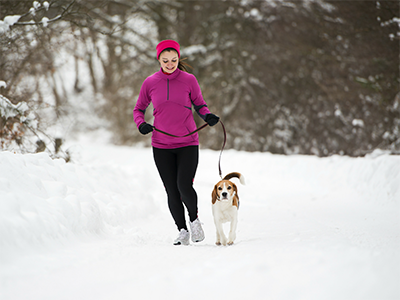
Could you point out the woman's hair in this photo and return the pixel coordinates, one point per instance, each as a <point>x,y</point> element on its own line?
<point>182,65</point>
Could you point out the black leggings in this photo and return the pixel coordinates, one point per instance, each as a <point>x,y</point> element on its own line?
<point>177,168</point>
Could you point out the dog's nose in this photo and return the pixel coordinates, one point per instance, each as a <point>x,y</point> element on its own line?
<point>224,194</point>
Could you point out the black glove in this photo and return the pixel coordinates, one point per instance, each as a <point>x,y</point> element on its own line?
<point>211,119</point>
<point>145,128</point>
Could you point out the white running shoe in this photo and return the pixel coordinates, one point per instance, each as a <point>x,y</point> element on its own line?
<point>197,231</point>
<point>183,238</point>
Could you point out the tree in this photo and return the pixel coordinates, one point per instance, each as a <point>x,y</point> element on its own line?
<point>42,42</point>
<point>310,77</point>
<point>296,77</point>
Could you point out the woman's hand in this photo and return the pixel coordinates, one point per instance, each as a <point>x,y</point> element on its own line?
<point>211,119</point>
<point>145,128</point>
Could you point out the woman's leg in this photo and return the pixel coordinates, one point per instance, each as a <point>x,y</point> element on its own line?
<point>187,161</point>
<point>188,158</point>
<point>166,162</point>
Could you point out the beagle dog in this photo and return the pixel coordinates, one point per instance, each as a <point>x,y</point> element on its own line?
<point>225,205</point>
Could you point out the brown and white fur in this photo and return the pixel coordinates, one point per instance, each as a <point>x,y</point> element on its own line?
<point>225,205</point>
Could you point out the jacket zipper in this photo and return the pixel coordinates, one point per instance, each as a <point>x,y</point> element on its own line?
<point>167,89</point>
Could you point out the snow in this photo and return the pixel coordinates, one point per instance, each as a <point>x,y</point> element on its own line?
<point>358,122</point>
<point>7,109</point>
<point>21,110</point>
<point>7,22</point>
<point>191,50</point>
<point>99,228</point>
<point>36,5</point>
<point>45,21</point>
<point>46,5</point>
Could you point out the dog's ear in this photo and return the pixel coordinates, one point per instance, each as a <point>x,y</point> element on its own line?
<point>235,188</point>
<point>235,200</point>
<point>214,194</point>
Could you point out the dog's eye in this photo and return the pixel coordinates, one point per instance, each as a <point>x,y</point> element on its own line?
<point>229,187</point>
<point>220,188</point>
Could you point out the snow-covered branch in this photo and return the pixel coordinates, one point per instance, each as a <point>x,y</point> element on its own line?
<point>20,110</point>
<point>14,20</point>
<point>43,22</point>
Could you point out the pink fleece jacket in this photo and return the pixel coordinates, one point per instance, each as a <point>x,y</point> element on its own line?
<point>172,97</point>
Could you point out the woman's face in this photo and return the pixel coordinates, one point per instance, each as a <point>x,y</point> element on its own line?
<point>169,61</point>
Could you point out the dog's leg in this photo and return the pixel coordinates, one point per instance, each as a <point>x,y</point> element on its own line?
<point>232,232</point>
<point>221,238</point>
<point>218,241</point>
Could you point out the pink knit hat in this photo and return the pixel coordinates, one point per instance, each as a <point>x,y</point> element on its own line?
<point>167,44</point>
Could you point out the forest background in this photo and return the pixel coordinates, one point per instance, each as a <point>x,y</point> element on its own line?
<point>289,77</point>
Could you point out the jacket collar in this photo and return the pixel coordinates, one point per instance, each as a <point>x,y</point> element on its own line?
<point>171,76</point>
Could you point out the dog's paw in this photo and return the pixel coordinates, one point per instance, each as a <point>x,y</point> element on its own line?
<point>218,243</point>
<point>230,243</point>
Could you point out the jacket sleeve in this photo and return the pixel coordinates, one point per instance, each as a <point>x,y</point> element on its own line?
<point>141,105</point>
<point>199,104</point>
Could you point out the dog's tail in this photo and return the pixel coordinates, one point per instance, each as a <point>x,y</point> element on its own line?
<point>237,175</point>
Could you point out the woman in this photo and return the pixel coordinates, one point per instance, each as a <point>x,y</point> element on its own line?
<point>173,92</point>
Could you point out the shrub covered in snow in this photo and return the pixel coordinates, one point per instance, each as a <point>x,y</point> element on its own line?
<point>15,120</point>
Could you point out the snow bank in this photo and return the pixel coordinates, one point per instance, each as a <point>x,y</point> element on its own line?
<point>43,199</point>
<point>99,228</point>
<point>374,179</point>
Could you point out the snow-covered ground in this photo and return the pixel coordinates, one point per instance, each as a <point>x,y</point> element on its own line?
<point>99,228</point>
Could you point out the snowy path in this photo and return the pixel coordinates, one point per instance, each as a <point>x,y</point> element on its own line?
<point>309,228</point>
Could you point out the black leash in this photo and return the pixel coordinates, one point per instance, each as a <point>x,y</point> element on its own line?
<point>222,149</point>
<point>193,132</point>
<point>181,136</point>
